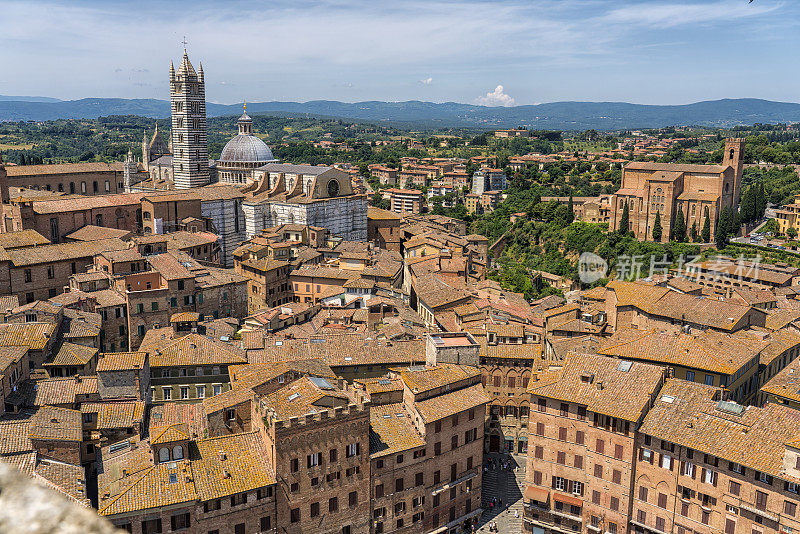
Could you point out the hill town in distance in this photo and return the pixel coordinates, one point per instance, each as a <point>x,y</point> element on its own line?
<point>310,324</point>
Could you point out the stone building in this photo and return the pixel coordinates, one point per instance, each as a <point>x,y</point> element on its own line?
<point>727,361</point>
<point>87,178</point>
<point>188,368</point>
<point>217,484</point>
<point>706,464</point>
<point>308,195</point>
<point>582,451</point>
<point>154,150</point>
<point>696,190</point>
<point>189,132</point>
<point>427,453</point>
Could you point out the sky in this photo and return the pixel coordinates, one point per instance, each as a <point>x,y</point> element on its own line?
<point>494,52</point>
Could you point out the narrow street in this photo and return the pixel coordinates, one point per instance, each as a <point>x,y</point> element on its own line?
<point>508,486</point>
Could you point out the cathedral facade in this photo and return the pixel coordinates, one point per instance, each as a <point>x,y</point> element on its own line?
<point>666,188</point>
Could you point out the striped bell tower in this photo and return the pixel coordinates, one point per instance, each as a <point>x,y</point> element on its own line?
<point>189,133</point>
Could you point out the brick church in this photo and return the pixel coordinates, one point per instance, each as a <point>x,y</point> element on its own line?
<point>650,188</point>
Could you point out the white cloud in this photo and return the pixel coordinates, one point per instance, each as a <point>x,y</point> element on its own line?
<point>427,81</point>
<point>669,15</point>
<point>495,98</point>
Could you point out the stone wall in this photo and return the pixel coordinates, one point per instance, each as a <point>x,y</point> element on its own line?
<point>30,507</point>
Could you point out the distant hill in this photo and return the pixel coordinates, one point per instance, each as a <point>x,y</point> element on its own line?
<point>555,115</point>
<point>28,98</point>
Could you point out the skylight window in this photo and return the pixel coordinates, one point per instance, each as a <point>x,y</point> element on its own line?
<point>624,366</point>
<point>293,396</point>
<point>173,478</point>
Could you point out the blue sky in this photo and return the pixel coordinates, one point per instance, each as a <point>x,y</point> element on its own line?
<point>499,52</point>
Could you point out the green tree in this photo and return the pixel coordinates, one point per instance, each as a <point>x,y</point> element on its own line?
<point>705,233</point>
<point>694,231</point>
<point>679,228</point>
<point>657,227</point>
<point>723,228</point>
<point>624,224</point>
<point>791,232</point>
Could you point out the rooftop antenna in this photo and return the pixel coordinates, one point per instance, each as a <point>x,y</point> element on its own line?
<point>184,43</point>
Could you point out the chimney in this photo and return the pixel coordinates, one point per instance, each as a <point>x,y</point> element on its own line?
<point>222,456</point>
<point>226,473</point>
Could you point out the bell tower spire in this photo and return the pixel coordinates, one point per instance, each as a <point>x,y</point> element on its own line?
<point>189,133</point>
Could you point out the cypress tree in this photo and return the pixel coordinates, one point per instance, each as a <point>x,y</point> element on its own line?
<point>723,228</point>
<point>705,234</point>
<point>694,231</point>
<point>657,227</point>
<point>624,224</point>
<point>679,229</point>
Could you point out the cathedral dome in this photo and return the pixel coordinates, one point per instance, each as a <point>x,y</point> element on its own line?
<point>246,148</point>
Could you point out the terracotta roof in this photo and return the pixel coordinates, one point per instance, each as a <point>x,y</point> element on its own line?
<point>380,385</point>
<point>301,397</point>
<point>121,361</point>
<point>169,433</point>
<point>79,203</point>
<point>63,168</point>
<point>422,379</point>
<point>68,479</point>
<point>32,335</point>
<point>708,350</point>
<point>11,355</point>
<point>14,437</point>
<point>73,354</point>
<point>602,385</point>
<point>780,317</point>
<point>779,342</point>
<point>91,232</point>
<point>62,251</point>
<point>185,317</point>
<point>22,238</point>
<point>436,293</point>
<point>192,349</point>
<point>54,391</point>
<point>442,406</point>
<point>170,413</point>
<point>56,424</point>
<point>227,399</point>
<point>115,415</point>
<point>786,383</point>
<point>164,484</point>
<point>391,430</point>
<point>231,464</point>
<point>344,350</point>
<point>379,214</point>
<point>748,435</point>
<point>675,167</point>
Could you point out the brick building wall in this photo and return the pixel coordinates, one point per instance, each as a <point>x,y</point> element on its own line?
<point>341,493</point>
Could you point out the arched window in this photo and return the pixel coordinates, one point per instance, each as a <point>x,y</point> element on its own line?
<point>163,454</point>
<point>731,154</point>
<point>177,452</point>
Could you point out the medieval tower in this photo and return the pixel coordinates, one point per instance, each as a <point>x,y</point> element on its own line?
<point>189,135</point>
<point>734,156</point>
